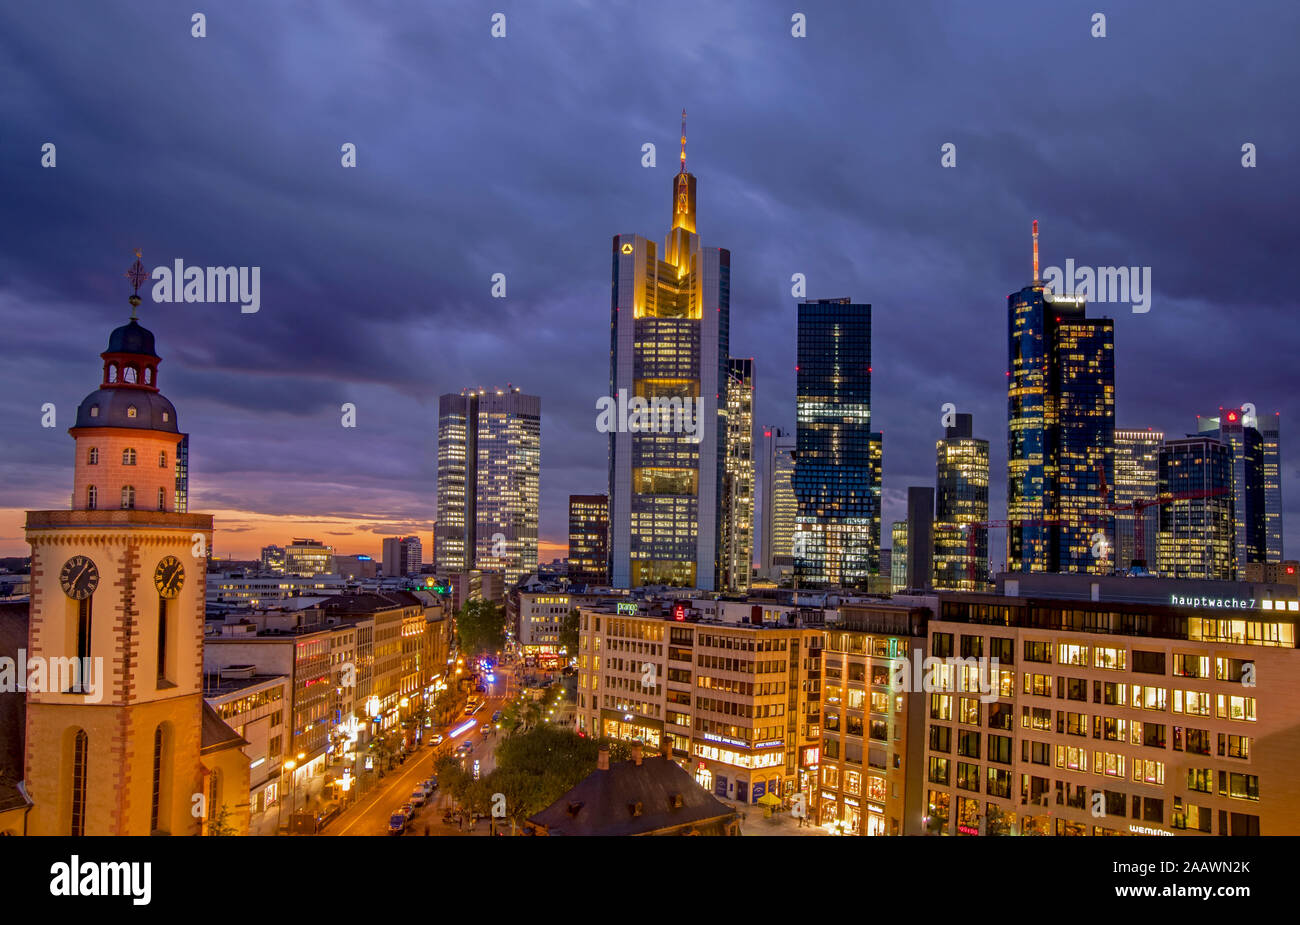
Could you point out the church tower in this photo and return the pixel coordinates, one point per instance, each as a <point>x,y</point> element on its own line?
<point>115,733</point>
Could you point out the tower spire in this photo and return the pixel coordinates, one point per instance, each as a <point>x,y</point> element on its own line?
<point>138,275</point>
<point>1035,252</point>
<point>683,170</point>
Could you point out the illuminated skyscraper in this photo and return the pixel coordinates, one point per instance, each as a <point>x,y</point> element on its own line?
<point>961,497</point>
<point>1060,430</point>
<point>837,456</point>
<point>1137,478</point>
<point>738,479</point>
<point>1239,429</point>
<point>589,539</point>
<point>669,324</point>
<point>183,475</point>
<point>489,473</point>
<point>898,555</point>
<point>1197,535</point>
<point>1270,429</point>
<point>779,507</point>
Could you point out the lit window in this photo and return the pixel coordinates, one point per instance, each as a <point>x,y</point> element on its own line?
<point>128,497</point>
<point>128,457</point>
<point>130,411</point>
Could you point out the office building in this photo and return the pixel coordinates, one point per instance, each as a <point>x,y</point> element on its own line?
<point>402,556</point>
<point>1060,430</point>
<point>961,499</point>
<point>1137,479</point>
<point>272,560</point>
<point>489,471</point>
<point>306,558</point>
<point>183,475</point>
<point>734,688</point>
<point>920,535</point>
<point>898,555</point>
<point>867,779</point>
<point>589,539</point>
<point>1198,532</point>
<point>1117,707</point>
<point>778,505</point>
<point>837,455</point>
<point>737,553</point>
<point>1270,429</point>
<point>669,324</point>
<point>1239,430</point>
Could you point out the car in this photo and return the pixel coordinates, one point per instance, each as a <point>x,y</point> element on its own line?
<point>496,717</point>
<point>431,784</point>
<point>397,823</point>
<point>408,810</point>
<point>464,748</point>
<point>438,738</point>
<point>481,689</point>
<point>419,797</point>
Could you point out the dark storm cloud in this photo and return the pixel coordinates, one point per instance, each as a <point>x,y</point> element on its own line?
<point>522,156</point>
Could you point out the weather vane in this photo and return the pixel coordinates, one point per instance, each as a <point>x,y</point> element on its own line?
<point>138,275</point>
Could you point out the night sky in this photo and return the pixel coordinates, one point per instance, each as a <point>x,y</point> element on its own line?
<point>522,155</point>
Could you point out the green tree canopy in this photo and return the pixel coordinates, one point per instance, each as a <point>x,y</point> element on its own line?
<point>480,628</point>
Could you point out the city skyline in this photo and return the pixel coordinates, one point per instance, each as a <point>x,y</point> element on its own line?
<point>359,313</point>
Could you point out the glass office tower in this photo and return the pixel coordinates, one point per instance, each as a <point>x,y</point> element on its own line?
<point>669,319</point>
<point>779,506</point>
<point>1060,431</point>
<point>1137,478</point>
<point>1197,535</point>
<point>737,560</point>
<point>1253,457</point>
<point>961,498</point>
<point>837,456</point>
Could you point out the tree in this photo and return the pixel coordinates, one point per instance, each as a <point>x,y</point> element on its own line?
<point>569,633</point>
<point>219,822</point>
<point>480,628</point>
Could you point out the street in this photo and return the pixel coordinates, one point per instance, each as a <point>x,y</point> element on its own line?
<point>371,813</point>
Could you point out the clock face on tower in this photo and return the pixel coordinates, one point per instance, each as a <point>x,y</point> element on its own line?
<point>169,576</point>
<point>79,578</point>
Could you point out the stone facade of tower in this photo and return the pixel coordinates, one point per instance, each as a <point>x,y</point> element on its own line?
<point>122,743</point>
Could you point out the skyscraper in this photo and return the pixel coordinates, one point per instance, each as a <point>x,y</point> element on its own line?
<point>1197,535</point>
<point>779,506</point>
<point>837,456</point>
<point>1239,429</point>
<point>738,479</point>
<point>402,556</point>
<point>589,539</point>
<point>1060,430</point>
<point>920,534</point>
<point>183,475</point>
<point>489,473</point>
<point>898,555</point>
<point>669,323</point>
<point>1270,429</point>
<point>1137,478</point>
<point>961,497</point>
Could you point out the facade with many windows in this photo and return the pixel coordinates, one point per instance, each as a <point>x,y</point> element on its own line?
<point>1115,717</point>
<point>734,687</point>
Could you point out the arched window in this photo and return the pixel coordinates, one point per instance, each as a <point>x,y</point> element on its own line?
<point>128,497</point>
<point>92,458</point>
<point>162,459</point>
<point>129,374</point>
<point>157,779</point>
<point>162,499</point>
<point>80,758</point>
<point>92,497</point>
<point>128,457</point>
<point>148,375</point>
<point>112,372</point>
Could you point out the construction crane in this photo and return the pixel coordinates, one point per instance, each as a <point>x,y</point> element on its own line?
<point>972,534</point>
<point>1139,507</point>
